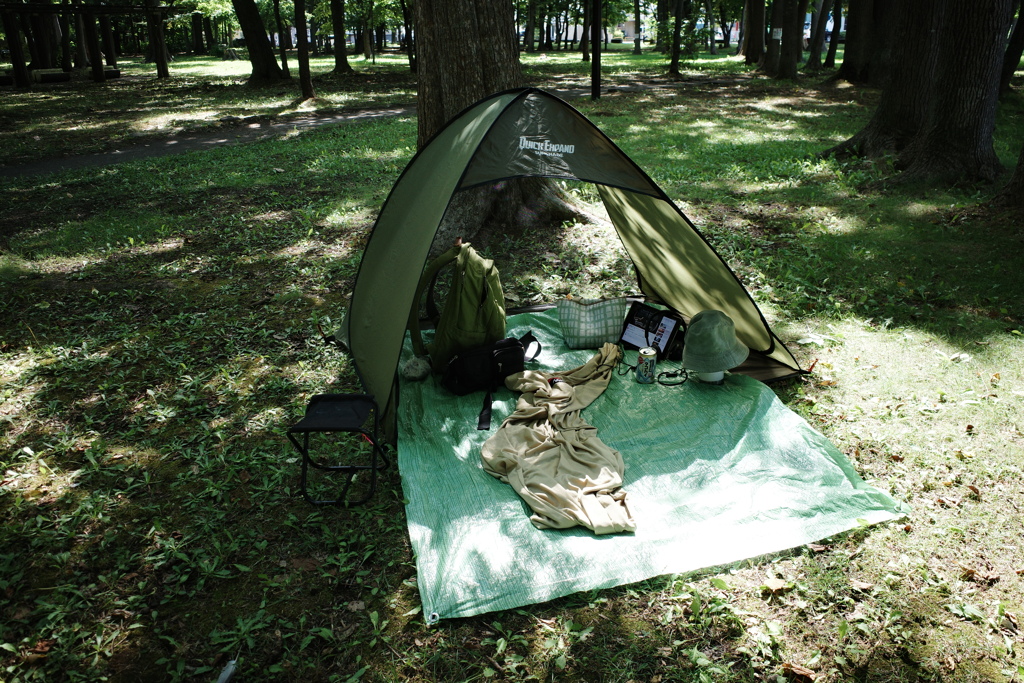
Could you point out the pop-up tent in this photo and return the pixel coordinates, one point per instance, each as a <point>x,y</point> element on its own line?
<point>530,133</point>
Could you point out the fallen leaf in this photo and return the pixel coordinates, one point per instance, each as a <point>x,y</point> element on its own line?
<point>908,528</point>
<point>975,490</point>
<point>897,457</point>
<point>817,548</point>
<point>304,563</point>
<point>775,585</point>
<point>950,663</point>
<point>948,502</point>
<point>862,585</point>
<point>356,606</point>
<point>798,672</point>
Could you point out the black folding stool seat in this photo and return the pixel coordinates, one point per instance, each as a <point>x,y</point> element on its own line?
<point>340,413</point>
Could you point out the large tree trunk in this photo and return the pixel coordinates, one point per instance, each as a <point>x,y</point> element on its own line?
<point>905,106</point>
<point>753,32</point>
<point>341,65</point>
<point>957,146</point>
<point>859,41</point>
<point>792,38</point>
<point>302,40</point>
<point>938,109</point>
<point>467,51</point>
<point>265,68</point>
<point>773,54</point>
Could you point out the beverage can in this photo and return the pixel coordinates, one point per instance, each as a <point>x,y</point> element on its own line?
<point>647,359</point>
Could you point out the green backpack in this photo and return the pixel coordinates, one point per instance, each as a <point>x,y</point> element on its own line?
<point>474,313</point>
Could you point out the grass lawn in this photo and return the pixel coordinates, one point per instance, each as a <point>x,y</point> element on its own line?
<point>158,333</point>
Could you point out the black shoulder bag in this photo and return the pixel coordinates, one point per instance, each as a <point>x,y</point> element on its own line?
<point>485,369</point>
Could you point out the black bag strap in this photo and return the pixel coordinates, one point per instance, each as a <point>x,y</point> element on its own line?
<point>527,340</point>
<point>483,421</point>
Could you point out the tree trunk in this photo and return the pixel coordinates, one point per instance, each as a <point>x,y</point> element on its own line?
<point>265,68</point>
<point>341,65</point>
<point>709,25</point>
<point>637,49</point>
<point>677,40</point>
<point>208,31</point>
<point>837,27</point>
<point>281,28</point>
<point>531,25</point>
<point>792,38</point>
<point>818,35</point>
<point>197,34</point>
<point>468,50</point>
<point>302,45</point>
<point>410,44</point>
<point>753,33</point>
<point>905,106</point>
<point>585,38</point>
<point>1011,59</point>
<point>773,54</point>
<point>12,30</point>
<point>957,146</point>
<point>870,37</point>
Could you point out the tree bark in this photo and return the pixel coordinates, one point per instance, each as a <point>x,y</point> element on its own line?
<point>197,34</point>
<point>341,65</point>
<point>792,38</point>
<point>818,35</point>
<point>12,30</point>
<point>281,28</point>
<point>265,68</point>
<point>957,145</point>
<point>837,30</point>
<point>856,55</point>
<point>709,25</point>
<point>469,50</point>
<point>905,106</point>
<point>937,112</point>
<point>637,48</point>
<point>302,45</point>
<point>773,53</point>
<point>753,33</point>
<point>677,40</point>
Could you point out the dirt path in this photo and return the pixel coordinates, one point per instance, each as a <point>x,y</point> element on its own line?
<point>240,131</point>
<point>237,132</point>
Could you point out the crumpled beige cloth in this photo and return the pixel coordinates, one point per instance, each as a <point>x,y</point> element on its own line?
<point>553,458</point>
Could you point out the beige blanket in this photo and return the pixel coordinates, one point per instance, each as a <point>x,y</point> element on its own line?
<point>553,458</point>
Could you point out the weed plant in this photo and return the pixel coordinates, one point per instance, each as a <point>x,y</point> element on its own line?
<point>158,333</point>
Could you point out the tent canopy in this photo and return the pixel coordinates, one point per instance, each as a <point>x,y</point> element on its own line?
<point>531,133</point>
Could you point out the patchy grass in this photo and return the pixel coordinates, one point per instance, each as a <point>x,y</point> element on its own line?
<point>158,334</point>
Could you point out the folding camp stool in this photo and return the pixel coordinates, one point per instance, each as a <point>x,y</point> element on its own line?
<point>340,413</point>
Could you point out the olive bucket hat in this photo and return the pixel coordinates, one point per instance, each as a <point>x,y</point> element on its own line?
<point>711,345</point>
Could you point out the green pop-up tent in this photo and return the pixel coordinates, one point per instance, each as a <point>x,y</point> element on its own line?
<point>530,133</point>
